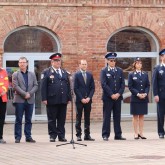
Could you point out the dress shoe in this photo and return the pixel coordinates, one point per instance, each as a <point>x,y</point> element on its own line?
<point>52,139</point>
<point>30,140</point>
<point>142,137</point>
<point>2,141</point>
<point>119,138</point>
<point>62,140</point>
<point>79,138</point>
<point>136,137</point>
<point>17,141</point>
<point>105,138</point>
<point>161,136</point>
<point>88,138</point>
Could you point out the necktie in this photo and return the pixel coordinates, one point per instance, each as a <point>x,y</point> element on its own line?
<point>84,76</point>
<point>58,73</point>
<point>139,73</point>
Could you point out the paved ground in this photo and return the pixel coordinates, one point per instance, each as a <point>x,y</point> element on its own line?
<point>136,152</point>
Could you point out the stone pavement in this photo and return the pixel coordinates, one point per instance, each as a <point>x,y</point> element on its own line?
<point>99,152</point>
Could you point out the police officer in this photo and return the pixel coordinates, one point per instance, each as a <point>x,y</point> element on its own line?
<point>138,84</point>
<point>159,92</point>
<point>55,92</point>
<point>112,82</point>
<point>4,84</point>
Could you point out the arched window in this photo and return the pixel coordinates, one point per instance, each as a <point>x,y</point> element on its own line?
<point>131,40</point>
<point>30,39</point>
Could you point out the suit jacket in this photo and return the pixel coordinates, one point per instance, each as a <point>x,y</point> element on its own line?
<point>81,89</point>
<point>20,87</point>
<point>112,82</point>
<point>138,84</point>
<point>55,89</point>
<point>159,81</point>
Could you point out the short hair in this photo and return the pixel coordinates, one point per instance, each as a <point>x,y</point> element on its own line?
<point>23,58</point>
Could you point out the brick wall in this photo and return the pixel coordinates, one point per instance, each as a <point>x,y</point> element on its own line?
<point>83,27</point>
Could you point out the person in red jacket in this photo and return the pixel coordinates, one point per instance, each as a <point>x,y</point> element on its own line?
<point>4,84</point>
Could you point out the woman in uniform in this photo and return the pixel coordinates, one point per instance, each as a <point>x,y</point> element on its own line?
<point>139,85</point>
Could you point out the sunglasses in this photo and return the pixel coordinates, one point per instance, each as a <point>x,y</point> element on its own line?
<point>111,60</point>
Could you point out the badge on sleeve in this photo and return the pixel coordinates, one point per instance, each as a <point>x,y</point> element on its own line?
<point>42,76</point>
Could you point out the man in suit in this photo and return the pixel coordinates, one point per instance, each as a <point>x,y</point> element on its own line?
<point>4,84</point>
<point>56,94</point>
<point>159,92</point>
<point>84,88</point>
<point>25,85</point>
<point>112,82</point>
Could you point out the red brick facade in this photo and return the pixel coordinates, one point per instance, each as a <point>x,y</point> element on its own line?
<point>83,27</point>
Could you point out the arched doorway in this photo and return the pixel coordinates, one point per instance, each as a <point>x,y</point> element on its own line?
<point>36,44</point>
<point>131,42</point>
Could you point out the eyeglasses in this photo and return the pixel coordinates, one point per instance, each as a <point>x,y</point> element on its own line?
<point>22,62</point>
<point>111,60</point>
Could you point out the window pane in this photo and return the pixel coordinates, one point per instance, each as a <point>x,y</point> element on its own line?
<point>131,40</point>
<point>30,40</point>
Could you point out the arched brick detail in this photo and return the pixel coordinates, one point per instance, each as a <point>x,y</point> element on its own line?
<point>29,17</point>
<point>134,18</point>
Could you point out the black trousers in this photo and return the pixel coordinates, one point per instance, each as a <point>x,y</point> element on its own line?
<point>2,116</point>
<point>108,107</point>
<point>160,116</point>
<point>56,120</point>
<point>79,110</point>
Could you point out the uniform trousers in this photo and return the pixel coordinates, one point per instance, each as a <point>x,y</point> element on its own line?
<point>2,116</point>
<point>56,120</point>
<point>79,110</point>
<point>108,107</point>
<point>160,116</point>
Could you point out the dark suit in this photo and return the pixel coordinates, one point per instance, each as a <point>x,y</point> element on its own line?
<point>56,90</point>
<point>138,84</point>
<point>83,90</point>
<point>159,90</point>
<point>112,83</point>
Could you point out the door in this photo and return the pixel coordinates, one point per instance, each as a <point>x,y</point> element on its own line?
<point>37,62</point>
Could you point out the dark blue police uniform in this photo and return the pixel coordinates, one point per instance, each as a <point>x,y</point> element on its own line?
<point>112,82</point>
<point>159,90</point>
<point>56,90</point>
<point>138,83</point>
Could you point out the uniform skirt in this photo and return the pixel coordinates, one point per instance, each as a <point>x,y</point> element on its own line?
<point>138,108</point>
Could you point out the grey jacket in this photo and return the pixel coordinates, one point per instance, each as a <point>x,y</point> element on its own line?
<point>20,88</point>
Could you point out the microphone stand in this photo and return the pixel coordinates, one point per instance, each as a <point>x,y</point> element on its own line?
<point>72,140</point>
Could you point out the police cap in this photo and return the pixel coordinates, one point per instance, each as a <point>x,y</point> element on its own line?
<point>137,59</point>
<point>110,55</point>
<point>55,56</point>
<point>162,52</point>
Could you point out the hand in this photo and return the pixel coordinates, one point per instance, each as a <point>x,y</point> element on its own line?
<point>3,93</point>
<point>27,96</point>
<point>156,98</point>
<point>84,101</point>
<point>117,95</point>
<point>87,100</point>
<point>45,102</point>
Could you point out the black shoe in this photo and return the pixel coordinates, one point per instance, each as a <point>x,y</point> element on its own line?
<point>105,138</point>
<point>52,139</point>
<point>161,136</point>
<point>88,138</point>
<point>30,140</point>
<point>142,137</point>
<point>119,138</point>
<point>79,138</point>
<point>136,137</point>
<point>62,140</point>
<point>2,141</point>
<point>17,141</point>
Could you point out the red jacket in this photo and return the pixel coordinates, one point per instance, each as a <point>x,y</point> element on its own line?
<point>4,84</point>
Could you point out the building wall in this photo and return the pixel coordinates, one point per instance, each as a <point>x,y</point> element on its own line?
<point>83,28</point>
